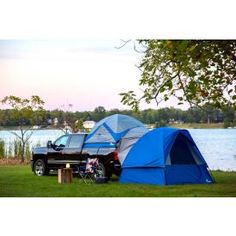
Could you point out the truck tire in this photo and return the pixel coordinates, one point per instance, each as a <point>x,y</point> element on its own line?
<point>105,170</point>
<point>100,170</point>
<point>40,168</point>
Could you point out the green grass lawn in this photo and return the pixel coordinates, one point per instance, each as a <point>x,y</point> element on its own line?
<point>19,181</point>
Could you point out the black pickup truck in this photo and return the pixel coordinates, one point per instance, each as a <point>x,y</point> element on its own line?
<point>70,149</point>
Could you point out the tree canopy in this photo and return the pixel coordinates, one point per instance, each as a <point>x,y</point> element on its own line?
<point>26,111</point>
<point>200,72</point>
<point>148,116</point>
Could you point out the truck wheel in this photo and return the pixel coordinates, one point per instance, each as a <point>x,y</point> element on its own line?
<point>100,170</point>
<point>40,168</point>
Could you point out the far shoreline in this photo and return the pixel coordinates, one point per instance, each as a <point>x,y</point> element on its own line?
<point>199,126</point>
<point>178,125</point>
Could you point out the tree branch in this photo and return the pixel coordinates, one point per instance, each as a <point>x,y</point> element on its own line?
<point>124,43</point>
<point>171,78</point>
<point>191,103</point>
<point>28,137</point>
<point>14,133</point>
<point>136,50</point>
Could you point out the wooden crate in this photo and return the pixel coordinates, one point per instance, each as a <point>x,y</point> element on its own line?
<point>65,175</point>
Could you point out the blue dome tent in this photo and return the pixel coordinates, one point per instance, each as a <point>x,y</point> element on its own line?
<point>165,156</point>
<point>108,132</point>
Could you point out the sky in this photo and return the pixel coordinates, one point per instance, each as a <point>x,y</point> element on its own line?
<point>84,73</point>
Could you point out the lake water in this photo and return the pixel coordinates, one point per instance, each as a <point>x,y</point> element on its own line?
<point>218,146</point>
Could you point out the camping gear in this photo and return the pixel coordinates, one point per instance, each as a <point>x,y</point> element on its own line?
<point>105,135</point>
<point>89,172</point>
<point>127,142</point>
<point>101,180</point>
<point>165,156</point>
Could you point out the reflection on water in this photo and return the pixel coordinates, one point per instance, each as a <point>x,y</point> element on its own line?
<point>218,146</point>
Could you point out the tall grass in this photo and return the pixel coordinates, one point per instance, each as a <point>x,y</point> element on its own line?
<point>10,150</point>
<point>2,149</point>
<point>17,147</point>
<point>14,149</point>
<point>27,152</point>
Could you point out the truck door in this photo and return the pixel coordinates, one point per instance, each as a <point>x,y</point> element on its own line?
<point>55,153</point>
<point>72,153</point>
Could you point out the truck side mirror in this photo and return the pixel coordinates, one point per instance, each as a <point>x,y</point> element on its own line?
<point>49,144</point>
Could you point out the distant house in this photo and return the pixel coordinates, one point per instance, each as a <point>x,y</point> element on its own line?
<point>55,121</point>
<point>149,126</point>
<point>89,124</point>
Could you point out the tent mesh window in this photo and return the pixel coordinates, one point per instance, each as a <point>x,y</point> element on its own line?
<point>182,152</point>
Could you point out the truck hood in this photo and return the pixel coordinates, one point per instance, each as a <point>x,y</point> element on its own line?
<point>40,150</point>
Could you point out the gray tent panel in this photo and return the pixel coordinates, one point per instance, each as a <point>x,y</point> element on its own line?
<point>128,141</point>
<point>101,135</point>
<point>121,123</point>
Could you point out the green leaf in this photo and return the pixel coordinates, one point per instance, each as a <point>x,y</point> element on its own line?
<point>204,66</point>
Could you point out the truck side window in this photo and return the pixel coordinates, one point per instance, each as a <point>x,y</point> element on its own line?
<point>61,142</point>
<point>76,141</point>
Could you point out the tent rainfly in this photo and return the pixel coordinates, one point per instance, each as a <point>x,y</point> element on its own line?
<point>108,132</point>
<point>165,156</point>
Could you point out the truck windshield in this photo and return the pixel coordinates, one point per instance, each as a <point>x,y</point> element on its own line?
<point>61,142</point>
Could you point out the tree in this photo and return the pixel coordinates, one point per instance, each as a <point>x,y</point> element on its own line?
<point>79,125</point>
<point>100,109</point>
<point>99,113</point>
<point>73,124</point>
<point>24,110</point>
<point>200,72</point>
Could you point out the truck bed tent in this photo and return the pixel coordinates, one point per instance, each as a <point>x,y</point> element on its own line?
<point>107,133</point>
<point>165,156</point>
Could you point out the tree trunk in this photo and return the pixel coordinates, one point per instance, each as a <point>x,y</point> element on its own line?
<point>208,119</point>
<point>23,152</point>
